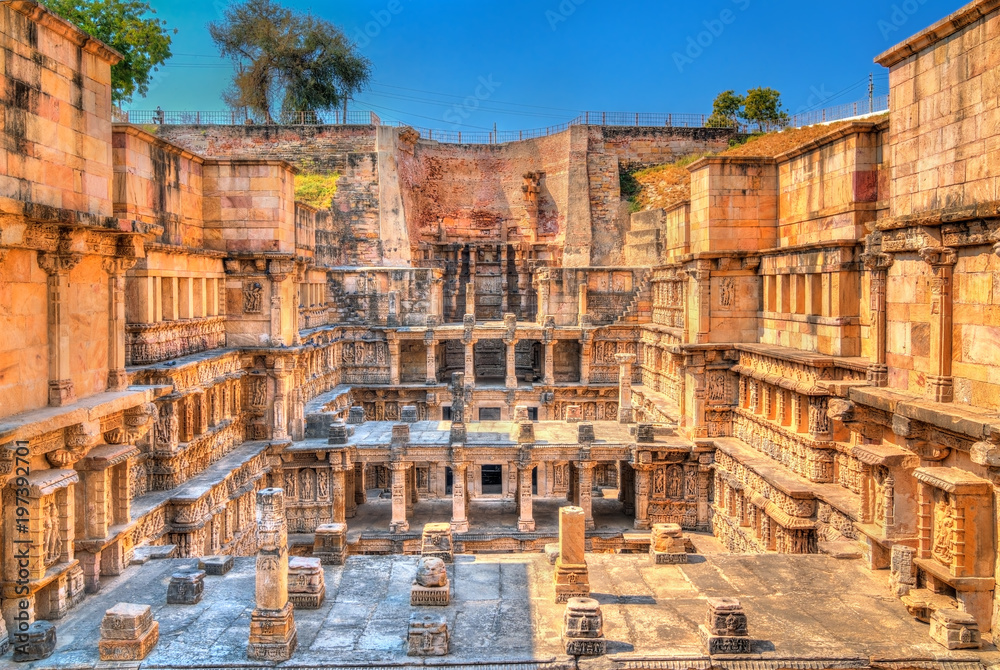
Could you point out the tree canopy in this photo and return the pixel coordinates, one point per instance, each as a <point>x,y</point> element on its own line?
<point>286,61</point>
<point>128,27</point>
<point>760,107</point>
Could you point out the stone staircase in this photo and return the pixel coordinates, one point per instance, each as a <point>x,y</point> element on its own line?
<point>640,308</point>
<point>643,245</point>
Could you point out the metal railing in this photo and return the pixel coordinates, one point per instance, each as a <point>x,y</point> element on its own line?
<point>368,118</point>
<point>237,117</point>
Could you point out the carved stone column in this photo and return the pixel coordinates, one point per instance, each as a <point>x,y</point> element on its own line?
<point>459,498</point>
<point>548,375</point>
<point>279,411</point>
<point>583,307</point>
<point>510,349</point>
<point>58,267</point>
<point>470,352</point>
<point>431,357</point>
<point>541,283</point>
<point>585,474</point>
<point>393,359</point>
<point>878,268</point>
<point>525,519</point>
<point>277,304</point>
<point>399,524</point>
<point>272,624</point>
<point>338,488</point>
<point>116,269</point>
<point>642,495</point>
<point>625,362</point>
<point>586,350</point>
<point>940,385</point>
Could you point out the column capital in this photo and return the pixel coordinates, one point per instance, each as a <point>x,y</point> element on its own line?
<point>117,265</point>
<point>939,256</point>
<point>877,261</point>
<point>57,264</point>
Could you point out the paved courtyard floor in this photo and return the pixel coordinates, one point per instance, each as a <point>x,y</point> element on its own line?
<point>799,607</point>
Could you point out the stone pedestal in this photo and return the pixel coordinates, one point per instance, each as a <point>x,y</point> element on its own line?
<point>644,433</point>
<point>306,586</point>
<point>583,628</point>
<point>436,542</point>
<point>40,644</point>
<point>431,587</point>
<point>408,413</point>
<point>338,433</point>
<point>666,544</point>
<point>186,587</point>
<point>356,415</point>
<point>726,631</point>
<point>330,543</point>
<point>216,565</point>
<point>128,633</point>
<point>585,433</point>
<point>955,629</point>
<point>427,635</point>
<point>272,634</point>
<point>571,576</point>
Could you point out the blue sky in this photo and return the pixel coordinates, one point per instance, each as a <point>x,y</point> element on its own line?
<point>527,64</point>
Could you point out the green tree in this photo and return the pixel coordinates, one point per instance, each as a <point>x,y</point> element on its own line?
<point>286,61</point>
<point>762,107</point>
<point>128,27</point>
<point>726,110</point>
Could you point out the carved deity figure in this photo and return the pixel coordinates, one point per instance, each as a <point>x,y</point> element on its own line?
<point>323,483</point>
<point>53,543</point>
<point>943,525</point>
<point>307,480</point>
<point>659,482</point>
<point>252,296</point>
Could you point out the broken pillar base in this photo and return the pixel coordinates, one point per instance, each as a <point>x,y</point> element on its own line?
<point>571,581</point>
<point>272,634</point>
<point>725,644</point>
<point>430,596</point>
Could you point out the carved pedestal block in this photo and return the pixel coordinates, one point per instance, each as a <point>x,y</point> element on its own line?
<point>436,541</point>
<point>726,631</point>
<point>902,572</point>
<point>356,414</point>
<point>216,565</point>
<point>574,413</point>
<point>40,644</point>
<point>306,585</point>
<point>571,581</point>
<point>583,628</point>
<point>272,634</point>
<point>128,633</point>
<point>427,635</point>
<point>955,629</point>
<point>431,584</point>
<point>186,587</point>
<point>408,413</point>
<point>666,544</point>
<point>330,543</point>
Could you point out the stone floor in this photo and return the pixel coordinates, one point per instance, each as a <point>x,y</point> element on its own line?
<point>502,611</point>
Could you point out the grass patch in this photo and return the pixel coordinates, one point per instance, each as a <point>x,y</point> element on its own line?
<point>316,189</point>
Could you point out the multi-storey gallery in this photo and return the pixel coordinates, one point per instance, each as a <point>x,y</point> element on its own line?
<point>775,399</point>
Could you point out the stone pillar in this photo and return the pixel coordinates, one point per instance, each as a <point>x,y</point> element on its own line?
<point>641,496</point>
<point>525,519</point>
<point>360,490</point>
<point>510,350</point>
<point>277,305</point>
<point>116,269</point>
<point>940,385</point>
<point>459,498</point>
<point>393,359</point>
<point>59,330</point>
<point>431,358</point>
<point>542,286</point>
<point>339,489</point>
<point>582,312</point>
<point>878,268</point>
<point>280,431</point>
<point>625,361</point>
<point>586,349</point>
<point>399,524</point>
<point>272,624</point>
<point>548,374</point>
<point>470,361</point>
<point>571,577</point>
<point>585,485</point>
<point>470,287</point>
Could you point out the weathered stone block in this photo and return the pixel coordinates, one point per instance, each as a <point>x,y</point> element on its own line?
<point>436,541</point>
<point>273,636</point>
<point>186,587</point>
<point>666,545</point>
<point>428,635</point>
<point>330,543</point>
<point>408,414</point>
<point>955,629</point>
<point>726,631</point>
<point>356,414</point>
<point>306,583</point>
<point>585,433</point>
<point>128,633</point>
<point>583,628</point>
<point>40,644</point>
<point>216,565</point>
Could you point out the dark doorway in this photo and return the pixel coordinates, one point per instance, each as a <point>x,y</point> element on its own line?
<point>534,481</point>
<point>448,480</point>
<point>446,413</point>
<point>533,413</point>
<point>492,479</point>
<point>489,414</point>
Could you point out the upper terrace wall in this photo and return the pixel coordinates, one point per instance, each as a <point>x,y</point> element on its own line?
<point>157,182</point>
<point>55,147</point>
<point>945,129</point>
<point>249,206</point>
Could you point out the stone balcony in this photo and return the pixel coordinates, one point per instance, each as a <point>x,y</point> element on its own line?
<point>147,343</point>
